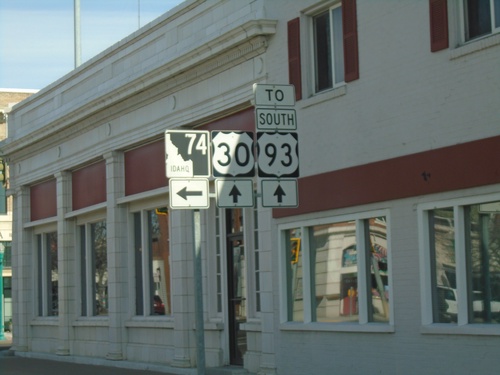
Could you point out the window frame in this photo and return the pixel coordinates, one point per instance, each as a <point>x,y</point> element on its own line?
<point>311,14</point>
<point>464,24</point>
<point>363,325</point>
<point>143,210</point>
<point>42,278</point>
<point>86,264</point>
<point>463,325</point>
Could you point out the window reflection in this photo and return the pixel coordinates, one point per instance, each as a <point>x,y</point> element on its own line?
<point>483,234</point>
<point>294,275</point>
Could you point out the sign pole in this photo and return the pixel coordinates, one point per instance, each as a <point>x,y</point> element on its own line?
<point>198,301</point>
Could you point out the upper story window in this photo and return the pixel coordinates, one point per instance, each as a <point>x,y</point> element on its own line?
<point>481,17</point>
<point>328,49</point>
<point>333,36</point>
<point>462,246</point>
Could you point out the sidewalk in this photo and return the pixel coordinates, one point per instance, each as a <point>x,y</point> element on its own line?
<point>44,364</point>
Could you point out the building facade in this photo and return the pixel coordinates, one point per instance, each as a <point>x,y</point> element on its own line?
<point>389,263</point>
<point>8,98</point>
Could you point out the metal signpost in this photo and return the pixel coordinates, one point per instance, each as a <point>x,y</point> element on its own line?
<point>277,144</point>
<point>192,156</point>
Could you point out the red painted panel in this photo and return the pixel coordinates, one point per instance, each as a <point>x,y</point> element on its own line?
<point>89,185</point>
<point>294,66</point>
<point>145,168</point>
<point>438,13</point>
<point>243,120</point>
<point>43,200</point>
<point>451,168</point>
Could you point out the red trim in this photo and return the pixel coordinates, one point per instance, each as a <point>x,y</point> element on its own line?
<point>350,31</point>
<point>457,167</point>
<point>43,200</point>
<point>243,120</point>
<point>294,68</point>
<point>438,11</point>
<point>89,185</point>
<point>145,168</point>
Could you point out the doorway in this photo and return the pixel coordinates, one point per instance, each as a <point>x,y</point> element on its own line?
<point>237,285</point>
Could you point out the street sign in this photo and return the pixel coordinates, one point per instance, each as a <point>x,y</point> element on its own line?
<point>278,154</point>
<point>188,153</point>
<point>189,193</point>
<point>233,154</point>
<point>276,119</point>
<point>279,193</point>
<point>274,95</point>
<point>234,192</point>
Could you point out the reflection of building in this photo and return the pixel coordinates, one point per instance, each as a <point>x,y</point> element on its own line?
<point>396,121</point>
<point>8,98</point>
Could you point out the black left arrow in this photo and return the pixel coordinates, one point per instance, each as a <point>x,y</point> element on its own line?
<point>183,193</point>
<point>279,193</point>
<point>235,193</point>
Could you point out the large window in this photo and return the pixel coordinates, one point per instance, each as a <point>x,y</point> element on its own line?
<point>338,272</point>
<point>152,262</point>
<point>328,48</point>
<point>47,274</point>
<point>464,253</point>
<point>94,269</point>
<point>481,17</point>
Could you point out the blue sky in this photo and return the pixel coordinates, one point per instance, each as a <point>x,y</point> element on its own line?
<point>37,36</point>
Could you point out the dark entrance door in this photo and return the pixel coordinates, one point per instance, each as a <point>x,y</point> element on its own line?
<point>237,291</point>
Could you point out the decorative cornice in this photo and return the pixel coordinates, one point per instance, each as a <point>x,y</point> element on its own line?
<point>240,44</point>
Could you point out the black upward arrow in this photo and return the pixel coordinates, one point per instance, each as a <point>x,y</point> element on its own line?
<point>279,193</point>
<point>183,193</point>
<point>235,193</point>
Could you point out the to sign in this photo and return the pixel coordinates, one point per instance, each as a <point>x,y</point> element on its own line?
<point>278,154</point>
<point>274,95</point>
<point>188,153</point>
<point>233,154</point>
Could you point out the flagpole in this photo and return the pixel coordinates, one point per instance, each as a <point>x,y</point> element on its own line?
<point>78,47</point>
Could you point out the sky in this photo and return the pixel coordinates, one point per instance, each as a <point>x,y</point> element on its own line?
<point>37,36</point>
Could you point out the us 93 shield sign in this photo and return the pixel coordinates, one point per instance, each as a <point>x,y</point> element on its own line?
<point>278,154</point>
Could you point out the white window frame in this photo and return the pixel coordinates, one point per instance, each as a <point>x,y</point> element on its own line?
<point>311,13</point>
<point>142,207</point>
<point>363,325</point>
<point>463,23</point>
<point>42,270</point>
<point>462,326</point>
<point>87,220</point>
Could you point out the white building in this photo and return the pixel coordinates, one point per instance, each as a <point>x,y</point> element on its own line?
<point>388,264</point>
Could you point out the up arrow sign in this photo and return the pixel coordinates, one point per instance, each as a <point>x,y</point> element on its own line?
<point>234,192</point>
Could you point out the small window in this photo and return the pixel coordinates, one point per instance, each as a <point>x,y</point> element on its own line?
<point>94,269</point>
<point>152,262</point>
<point>481,17</point>
<point>328,49</point>
<point>47,274</point>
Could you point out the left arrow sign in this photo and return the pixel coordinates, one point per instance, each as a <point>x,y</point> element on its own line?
<point>189,193</point>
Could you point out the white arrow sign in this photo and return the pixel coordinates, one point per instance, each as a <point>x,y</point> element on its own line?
<point>234,192</point>
<point>280,193</point>
<point>188,193</point>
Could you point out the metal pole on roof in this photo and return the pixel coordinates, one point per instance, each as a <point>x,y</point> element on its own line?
<point>78,46</point>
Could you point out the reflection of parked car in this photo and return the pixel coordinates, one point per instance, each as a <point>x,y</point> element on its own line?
<point>158,306</point>
<point>449,295</point>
